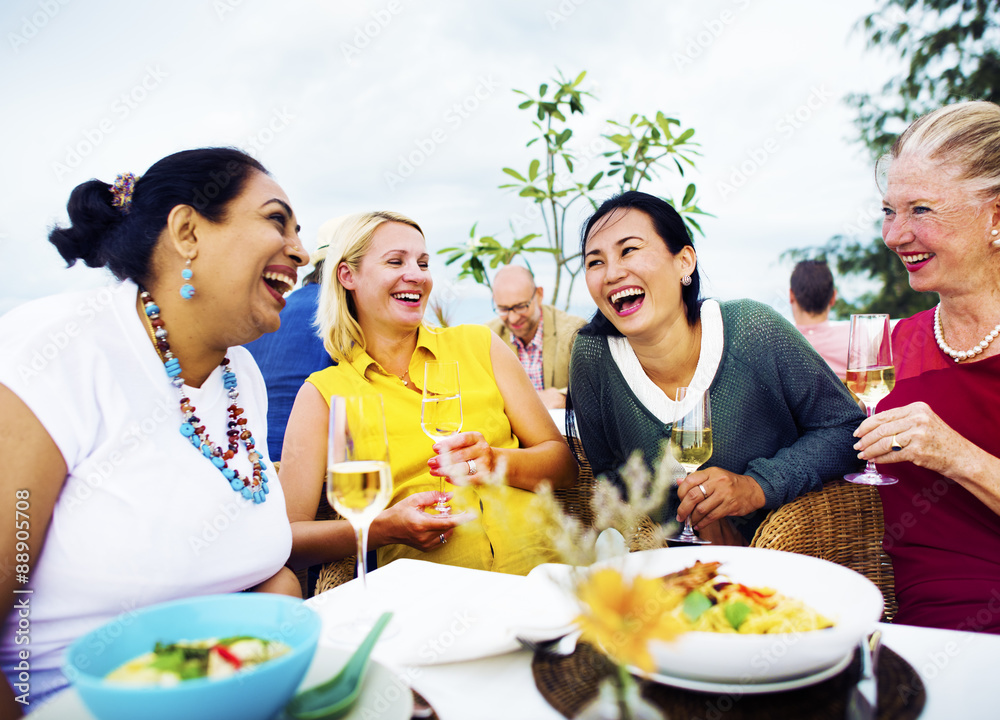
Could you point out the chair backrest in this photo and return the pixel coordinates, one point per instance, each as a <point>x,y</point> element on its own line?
<point>841,523</point>
<point>578,501</point>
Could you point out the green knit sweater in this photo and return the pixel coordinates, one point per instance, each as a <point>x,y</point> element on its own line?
<point>779,413</point>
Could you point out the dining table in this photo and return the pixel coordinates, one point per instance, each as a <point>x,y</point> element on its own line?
<point>453,639</point>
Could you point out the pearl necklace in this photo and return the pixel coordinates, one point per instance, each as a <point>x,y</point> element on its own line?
<point>960,355</point>
<point>252,488</point>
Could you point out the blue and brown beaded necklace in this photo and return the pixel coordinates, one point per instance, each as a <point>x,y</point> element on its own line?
<point>252,488</point>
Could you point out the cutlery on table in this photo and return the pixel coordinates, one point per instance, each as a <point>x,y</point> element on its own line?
<point>560,645</point>
<point>863,701</point>
<point>337,695</point>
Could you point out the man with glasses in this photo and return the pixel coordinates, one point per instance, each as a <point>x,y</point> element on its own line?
<point>541,335</point>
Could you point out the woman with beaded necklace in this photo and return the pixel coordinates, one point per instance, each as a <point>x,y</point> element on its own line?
<point>127,413</point>
<point>941,198</point>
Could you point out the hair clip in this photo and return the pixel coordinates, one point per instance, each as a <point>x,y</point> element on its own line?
<point>122,191</point>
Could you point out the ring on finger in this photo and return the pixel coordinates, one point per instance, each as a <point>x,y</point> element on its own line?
<point>895,444</point>
<point>442,538</point>
<point>703,490</point>
<point>472,466</point>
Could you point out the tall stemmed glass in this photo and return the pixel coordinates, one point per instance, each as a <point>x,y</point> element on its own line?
<point>358,478</point>
<point>691,443</point>
<point>441,409</point>
<point>870,376</point>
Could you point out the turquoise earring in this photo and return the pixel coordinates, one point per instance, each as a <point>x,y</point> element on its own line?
<point>187,289</point>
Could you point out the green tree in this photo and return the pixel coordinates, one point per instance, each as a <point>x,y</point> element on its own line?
<point>633,152</point>
<point>952,53</point>
<point>953,49</point>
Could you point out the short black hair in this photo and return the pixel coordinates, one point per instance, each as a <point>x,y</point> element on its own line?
<point>812,285</point>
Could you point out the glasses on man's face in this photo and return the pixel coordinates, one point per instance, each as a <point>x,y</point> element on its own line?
<point>519,309</point>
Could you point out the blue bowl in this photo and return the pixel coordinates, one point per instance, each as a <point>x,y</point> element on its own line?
<point>258,693</point>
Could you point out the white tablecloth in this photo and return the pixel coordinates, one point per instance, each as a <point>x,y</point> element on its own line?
<point>442,619</point>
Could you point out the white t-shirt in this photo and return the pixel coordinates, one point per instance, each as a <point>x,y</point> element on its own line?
<point>142,517</point>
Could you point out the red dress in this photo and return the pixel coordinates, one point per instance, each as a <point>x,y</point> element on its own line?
<point>944,543</point>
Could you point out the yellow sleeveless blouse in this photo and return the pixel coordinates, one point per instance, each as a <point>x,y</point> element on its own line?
<point>501,536</point>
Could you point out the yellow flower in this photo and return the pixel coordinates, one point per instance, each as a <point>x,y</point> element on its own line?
<point>621,617</point>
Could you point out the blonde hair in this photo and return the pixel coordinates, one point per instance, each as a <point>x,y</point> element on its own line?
<point>965,135</point>
<point>349,238</point>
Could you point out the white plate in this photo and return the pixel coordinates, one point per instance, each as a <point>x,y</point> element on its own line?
<point>747,688</point>
<point>847,598</point>
<point>383,694</point>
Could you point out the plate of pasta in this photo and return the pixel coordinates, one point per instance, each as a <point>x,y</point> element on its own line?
<point>749,616</point>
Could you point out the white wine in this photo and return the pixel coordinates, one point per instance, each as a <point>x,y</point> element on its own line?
<point>441,416</point>
<point>691,448</point>
<point>359,489</point>
<point>873,384</point>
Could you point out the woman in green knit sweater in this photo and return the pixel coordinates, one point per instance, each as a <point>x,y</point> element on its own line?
<point>783,423</point>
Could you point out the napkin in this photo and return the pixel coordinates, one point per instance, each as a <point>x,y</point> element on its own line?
<point>449,614</point>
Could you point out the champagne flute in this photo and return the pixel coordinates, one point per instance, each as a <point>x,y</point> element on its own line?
<point>441,409</point>
<point>871,376</point>
<point>691,443</point>
<point>358,476</point>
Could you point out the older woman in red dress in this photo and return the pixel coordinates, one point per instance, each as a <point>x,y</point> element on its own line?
<point>939,426</point>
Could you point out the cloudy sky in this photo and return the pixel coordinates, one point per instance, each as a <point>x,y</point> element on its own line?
<point>340,99</point>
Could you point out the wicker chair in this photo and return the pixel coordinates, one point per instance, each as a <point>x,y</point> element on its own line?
<point>578,501</point>
<point>841,523</point>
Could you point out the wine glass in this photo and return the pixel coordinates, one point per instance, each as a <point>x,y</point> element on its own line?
<point>871,376</point>
<point>441,409</point>
<point>691,443</point>
<point>358,476</point>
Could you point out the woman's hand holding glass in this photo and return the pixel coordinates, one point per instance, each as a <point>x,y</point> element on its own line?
<point>871,376</point>
<point>460,454</point>
<point>441,410</point>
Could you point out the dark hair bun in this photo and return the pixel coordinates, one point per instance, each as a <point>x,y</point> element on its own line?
<point>92,221</point>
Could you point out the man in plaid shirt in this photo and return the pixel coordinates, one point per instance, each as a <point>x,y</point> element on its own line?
<point>541,335</point>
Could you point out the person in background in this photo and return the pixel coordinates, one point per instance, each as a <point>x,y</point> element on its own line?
<point>541,335</point>
<point>135,437</point>
<point>811,295</point>
<point>937,431</point>
<point>376,286</point>
<point>287,357</point>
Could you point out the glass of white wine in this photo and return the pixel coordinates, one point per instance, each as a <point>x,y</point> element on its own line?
<point>691,443</point>
<point>441,409</point>
<point>358,477</point>
<point>870,376</point>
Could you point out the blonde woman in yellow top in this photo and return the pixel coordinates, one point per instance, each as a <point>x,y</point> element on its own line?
<point>375,289</point>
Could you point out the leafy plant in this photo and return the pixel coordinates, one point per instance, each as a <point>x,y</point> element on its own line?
<point>561,176</point>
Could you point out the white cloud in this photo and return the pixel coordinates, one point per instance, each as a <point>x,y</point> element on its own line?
<point>220,80</point>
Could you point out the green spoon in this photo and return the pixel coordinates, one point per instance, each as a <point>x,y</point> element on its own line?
<point>337,695</point>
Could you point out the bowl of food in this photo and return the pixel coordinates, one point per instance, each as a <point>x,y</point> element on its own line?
<point>751,615</point>
<point>216,656</point>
